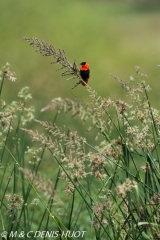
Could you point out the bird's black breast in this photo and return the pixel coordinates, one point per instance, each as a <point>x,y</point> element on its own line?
<point>84,74</point>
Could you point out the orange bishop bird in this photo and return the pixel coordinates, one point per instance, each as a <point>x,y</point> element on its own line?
<point>84,72</point>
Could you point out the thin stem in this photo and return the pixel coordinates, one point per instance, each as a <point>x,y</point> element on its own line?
<point>3,77</point>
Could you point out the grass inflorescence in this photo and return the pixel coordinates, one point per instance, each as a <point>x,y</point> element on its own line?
<point>52,178</point>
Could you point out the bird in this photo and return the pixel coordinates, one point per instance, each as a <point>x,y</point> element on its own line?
<point>84,73</point>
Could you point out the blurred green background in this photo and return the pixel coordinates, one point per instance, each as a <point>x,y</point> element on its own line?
<point>113,36</point>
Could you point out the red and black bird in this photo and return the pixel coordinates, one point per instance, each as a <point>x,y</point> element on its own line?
<point>84,72</point>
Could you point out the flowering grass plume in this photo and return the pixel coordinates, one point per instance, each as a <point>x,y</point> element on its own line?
<point>47,50</point>
<point>65,180</point>
<point>125,163</point>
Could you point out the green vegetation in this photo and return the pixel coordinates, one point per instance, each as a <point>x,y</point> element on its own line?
<point>63,185</point>
<point>85,159</point>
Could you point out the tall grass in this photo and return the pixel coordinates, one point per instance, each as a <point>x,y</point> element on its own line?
<point>61,182</point>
